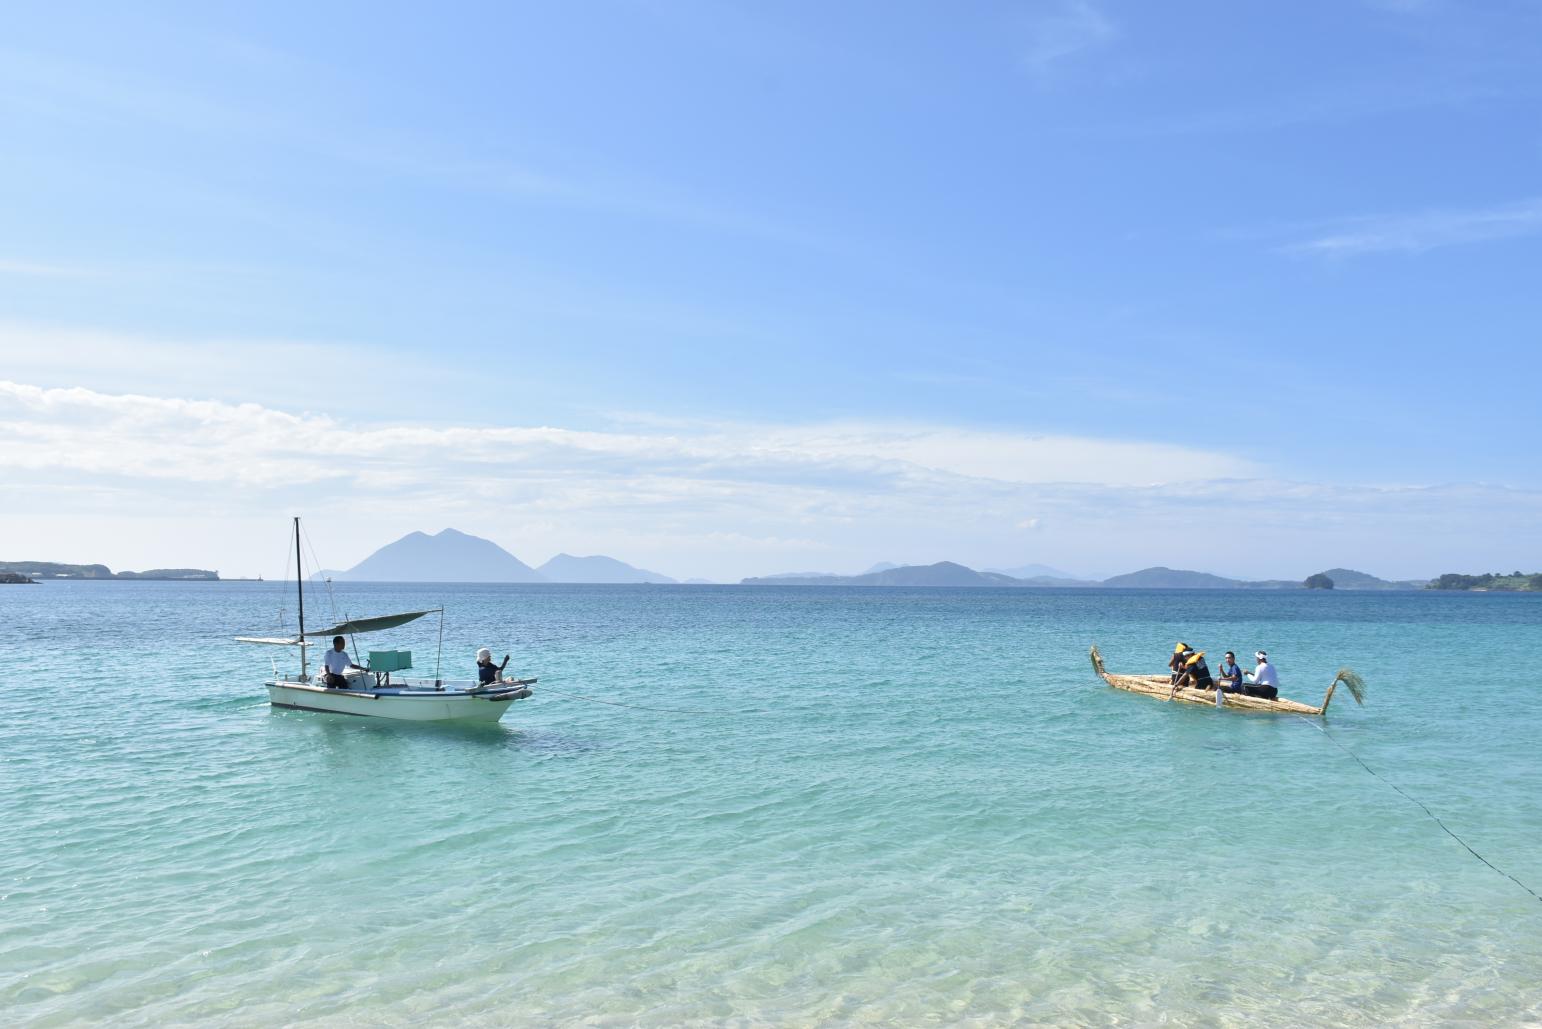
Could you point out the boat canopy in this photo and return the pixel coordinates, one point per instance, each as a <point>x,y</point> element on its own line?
<point>379,622</point>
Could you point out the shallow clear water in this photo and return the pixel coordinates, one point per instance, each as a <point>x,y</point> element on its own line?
<point>907,807</point>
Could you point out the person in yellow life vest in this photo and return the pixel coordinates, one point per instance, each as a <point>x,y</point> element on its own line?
<point>1196,674</point>
<point>1181,654</point>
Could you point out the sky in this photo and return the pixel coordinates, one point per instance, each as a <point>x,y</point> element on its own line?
<point>735,289</point>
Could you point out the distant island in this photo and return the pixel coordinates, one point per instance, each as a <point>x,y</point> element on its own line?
<point>948,573</point>
<point>597,569</point>
<point>1515,582</point>
<point>943,573</point>
<point>16,579</point>
<point>55,570</point>
<point>454,556</point>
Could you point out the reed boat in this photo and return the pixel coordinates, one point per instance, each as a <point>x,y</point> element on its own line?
<point>1160,687</point>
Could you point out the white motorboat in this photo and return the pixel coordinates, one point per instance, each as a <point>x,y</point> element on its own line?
<point>375,690</point>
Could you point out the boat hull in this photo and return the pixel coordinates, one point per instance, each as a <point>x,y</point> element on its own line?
<point>401,705</point>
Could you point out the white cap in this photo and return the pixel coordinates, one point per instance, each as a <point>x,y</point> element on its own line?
<point>484,654</point>
<point>1261,655</point>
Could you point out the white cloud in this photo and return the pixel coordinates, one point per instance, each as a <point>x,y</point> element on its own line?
<point>716,500</point>
<point>1060,29</point>
<point>253,446</point>
<point>1424,231</point>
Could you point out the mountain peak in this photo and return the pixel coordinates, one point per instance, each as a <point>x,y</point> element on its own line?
<point>447,556</point>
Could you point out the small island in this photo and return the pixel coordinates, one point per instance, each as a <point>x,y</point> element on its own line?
<point>32,571</point>
<point>1498,582</point>
<point>16,579</point>
<point>1320,581</point>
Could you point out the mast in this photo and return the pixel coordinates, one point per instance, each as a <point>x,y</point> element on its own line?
<point>299,586</point>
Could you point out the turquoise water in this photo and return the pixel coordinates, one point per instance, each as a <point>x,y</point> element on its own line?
<point>908,807</point>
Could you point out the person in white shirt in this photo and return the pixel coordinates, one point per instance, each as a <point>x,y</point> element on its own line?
<point>1264,681</point>
<point>337,662</point>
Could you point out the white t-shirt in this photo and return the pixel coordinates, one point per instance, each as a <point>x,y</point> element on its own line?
<point>1264,675</point>
<point>337,661</point>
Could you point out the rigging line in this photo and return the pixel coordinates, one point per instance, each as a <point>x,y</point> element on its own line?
<point>1419,802</point>
<point>283,591</point>
<point>331,597</point>
<point>644,707</point>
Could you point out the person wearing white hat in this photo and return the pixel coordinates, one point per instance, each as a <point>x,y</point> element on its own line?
<point>1265,681</point>
<point>487,672</point>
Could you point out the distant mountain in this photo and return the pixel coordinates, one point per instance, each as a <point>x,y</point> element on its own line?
<point>947,573</point>
<point>943,573</point>
<point>1160,578</point>
<point>449,556</point>
<point>1051,580</point>
<point>1033,572</point>
<point>1349,579</point>
<point>567,568</point>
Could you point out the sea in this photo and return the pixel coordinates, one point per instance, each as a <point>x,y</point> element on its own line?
<point>772,806</point>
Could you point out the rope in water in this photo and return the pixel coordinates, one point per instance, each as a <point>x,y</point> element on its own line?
<point>646,707</point>
<point>1427,811</point>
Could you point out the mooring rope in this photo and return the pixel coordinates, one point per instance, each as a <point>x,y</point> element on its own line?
<point>646,707</point>
<point>1426,810</point>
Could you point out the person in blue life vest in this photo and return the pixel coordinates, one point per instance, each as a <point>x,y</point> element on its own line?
<point>1264,681</point>
<point>1230,674</point>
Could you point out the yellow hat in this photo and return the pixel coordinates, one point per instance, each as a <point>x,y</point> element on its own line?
<point>1180,648</point>
<point>1196,657</point>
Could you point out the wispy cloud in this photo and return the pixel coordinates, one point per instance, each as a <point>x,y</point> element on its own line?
<point>44,270</point>
<point>255,446</point>
<point>720,499</point>
<point>1422,232</point>
<point>65,89</point>
<point>720,492</point>
<point>1059,29</point>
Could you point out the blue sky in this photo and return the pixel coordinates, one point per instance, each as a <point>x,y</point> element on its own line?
<point>728,289</point>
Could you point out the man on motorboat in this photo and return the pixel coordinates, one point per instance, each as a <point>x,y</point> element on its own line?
<point>337,662</point>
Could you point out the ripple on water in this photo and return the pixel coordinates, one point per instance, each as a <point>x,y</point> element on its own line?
<point>933,815</point>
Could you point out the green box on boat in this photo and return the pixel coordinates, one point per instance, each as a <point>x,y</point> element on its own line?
<point>390,660</point>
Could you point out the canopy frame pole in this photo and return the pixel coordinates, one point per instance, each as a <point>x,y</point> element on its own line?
<point>440,652</point>
<point>299,585</point>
